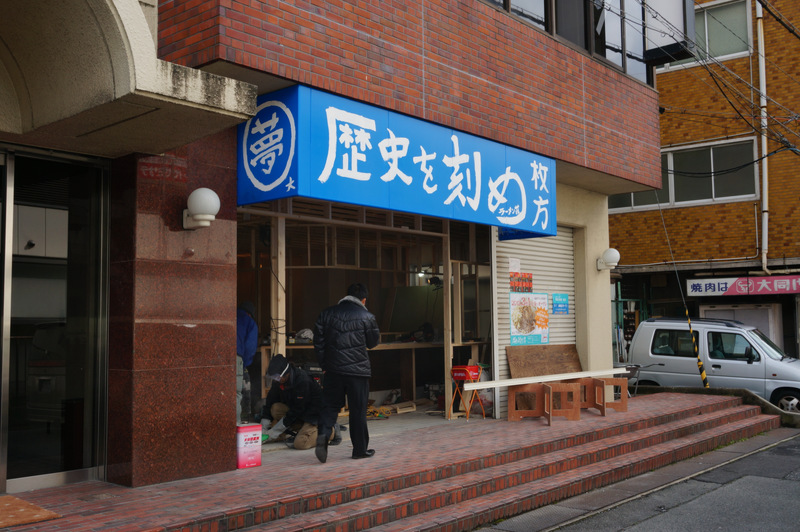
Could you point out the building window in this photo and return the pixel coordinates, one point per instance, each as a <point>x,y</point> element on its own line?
<point>721,31</point>
<point>612,29</point>
<point>708,174</point>
<point>533,11</point>
<point>571,20</point>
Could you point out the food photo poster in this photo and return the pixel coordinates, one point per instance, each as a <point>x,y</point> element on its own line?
<point>530,317</point>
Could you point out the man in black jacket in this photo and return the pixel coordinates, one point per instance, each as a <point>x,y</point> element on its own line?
<point>292,405</point>
<point>342,335</point>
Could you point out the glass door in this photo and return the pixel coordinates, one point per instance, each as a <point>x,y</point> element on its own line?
<point>5,308</point>
<point>54,367</point>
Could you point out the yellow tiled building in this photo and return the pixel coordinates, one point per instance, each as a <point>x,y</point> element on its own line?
<point>727,212</point>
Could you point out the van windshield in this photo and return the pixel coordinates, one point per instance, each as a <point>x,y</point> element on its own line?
<point>768,346</point>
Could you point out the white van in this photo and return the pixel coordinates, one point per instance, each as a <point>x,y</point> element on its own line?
<point>734,355</point>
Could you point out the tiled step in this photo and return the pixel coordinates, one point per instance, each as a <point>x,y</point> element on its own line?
<point>524,468</point>
<point>298,503</point>
<point>469,514</point>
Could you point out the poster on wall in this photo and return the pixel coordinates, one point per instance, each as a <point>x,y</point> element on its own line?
<point>560,304</point>
<point>521,282</point>
<point>530,319</point>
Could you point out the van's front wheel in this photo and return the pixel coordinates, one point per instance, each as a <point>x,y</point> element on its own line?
<point>788,400</point>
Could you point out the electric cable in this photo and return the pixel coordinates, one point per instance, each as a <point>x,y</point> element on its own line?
<point>727,170</point>
<point>700,367</point>
<point>777,136</point>
<point>777,16</point>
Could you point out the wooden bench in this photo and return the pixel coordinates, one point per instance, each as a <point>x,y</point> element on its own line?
<point>535,391</point>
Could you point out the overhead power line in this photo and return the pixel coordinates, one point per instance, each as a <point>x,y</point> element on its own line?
<point>778,130</point>
<point>726,170</point>
<point>780,18</point>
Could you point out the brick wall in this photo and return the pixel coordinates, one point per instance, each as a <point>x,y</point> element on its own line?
<point>698,233</point>
<point>463,64</point>
<point>697,111</point>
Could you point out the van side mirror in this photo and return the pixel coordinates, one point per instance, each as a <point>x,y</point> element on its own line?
<point>748,354</point>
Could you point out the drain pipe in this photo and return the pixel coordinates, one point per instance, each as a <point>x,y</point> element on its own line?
<point>762,89</point>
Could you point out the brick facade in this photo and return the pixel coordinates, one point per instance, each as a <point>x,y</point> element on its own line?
<point>696,111</point>
<point>465,64</point>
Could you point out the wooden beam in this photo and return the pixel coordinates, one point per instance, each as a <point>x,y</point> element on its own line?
<point>542,378</point>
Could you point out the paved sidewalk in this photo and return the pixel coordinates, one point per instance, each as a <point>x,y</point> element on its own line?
<point>749,485</point>
<point>414,441</point>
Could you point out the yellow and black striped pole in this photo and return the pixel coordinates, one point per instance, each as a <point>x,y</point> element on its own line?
<point>700,367</point>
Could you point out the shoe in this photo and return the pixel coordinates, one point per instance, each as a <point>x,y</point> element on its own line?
<point>367,454</point>
<point>337,435</point>
<point>321,450</point>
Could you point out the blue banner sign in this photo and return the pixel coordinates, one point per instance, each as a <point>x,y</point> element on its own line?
<point>308,143</point>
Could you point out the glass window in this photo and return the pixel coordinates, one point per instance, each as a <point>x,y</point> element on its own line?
<point>571,21</point>
<point>613,29</point>
<point>647,197</point>
<point>733,171</point>
<point>608,30</point>
<point>618,201</point>
<point>712,174</point>
<point>730,346</point>
<point>56,339</point>
<point>644,198</point>
<point>727,29</point>
<point>674,343</point>
<point>531,10</point>
<point>654,197</point>
<point>691,174</point>
<point>720,30</point>
<point>634,40</point>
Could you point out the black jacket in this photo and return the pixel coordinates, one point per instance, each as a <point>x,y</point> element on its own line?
<point>300,393</point>
<point>342,335</point>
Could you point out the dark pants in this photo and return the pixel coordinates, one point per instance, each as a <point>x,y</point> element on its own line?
<point>335,388</point>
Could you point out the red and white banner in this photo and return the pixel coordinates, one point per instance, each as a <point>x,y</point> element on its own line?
<point>744,286</point>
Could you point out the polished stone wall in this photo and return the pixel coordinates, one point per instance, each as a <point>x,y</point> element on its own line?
<point>172,317</point>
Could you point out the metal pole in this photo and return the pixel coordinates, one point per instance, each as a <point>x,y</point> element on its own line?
<point>7,240</point>
<point>700,367</point>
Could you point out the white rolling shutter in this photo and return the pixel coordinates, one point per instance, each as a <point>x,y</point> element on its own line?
<point>551,260</point>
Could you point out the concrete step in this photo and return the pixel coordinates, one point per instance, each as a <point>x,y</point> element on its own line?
<point>548,468</point>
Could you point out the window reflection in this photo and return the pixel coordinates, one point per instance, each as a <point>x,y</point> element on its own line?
<point>611,29</point>
<point>55,308</point>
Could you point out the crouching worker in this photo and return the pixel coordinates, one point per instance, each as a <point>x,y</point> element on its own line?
<point>292,407</point>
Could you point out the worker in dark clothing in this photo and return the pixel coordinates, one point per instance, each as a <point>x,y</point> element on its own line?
<point>246,347</point>
<point>342,335</point>
<point>292,407</point>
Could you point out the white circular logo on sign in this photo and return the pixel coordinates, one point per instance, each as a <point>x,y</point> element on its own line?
<point>268,145</point>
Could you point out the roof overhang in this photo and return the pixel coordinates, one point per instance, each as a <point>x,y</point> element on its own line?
<point>84,77</point>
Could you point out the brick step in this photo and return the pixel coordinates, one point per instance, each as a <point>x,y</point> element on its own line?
<point>298,502</point>
<point>385,506</point>
<point>469,514</point>
<point>295,501</point>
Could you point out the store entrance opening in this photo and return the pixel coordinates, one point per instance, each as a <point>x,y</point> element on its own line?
<point>293,266</point>
<point>51,358</point>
